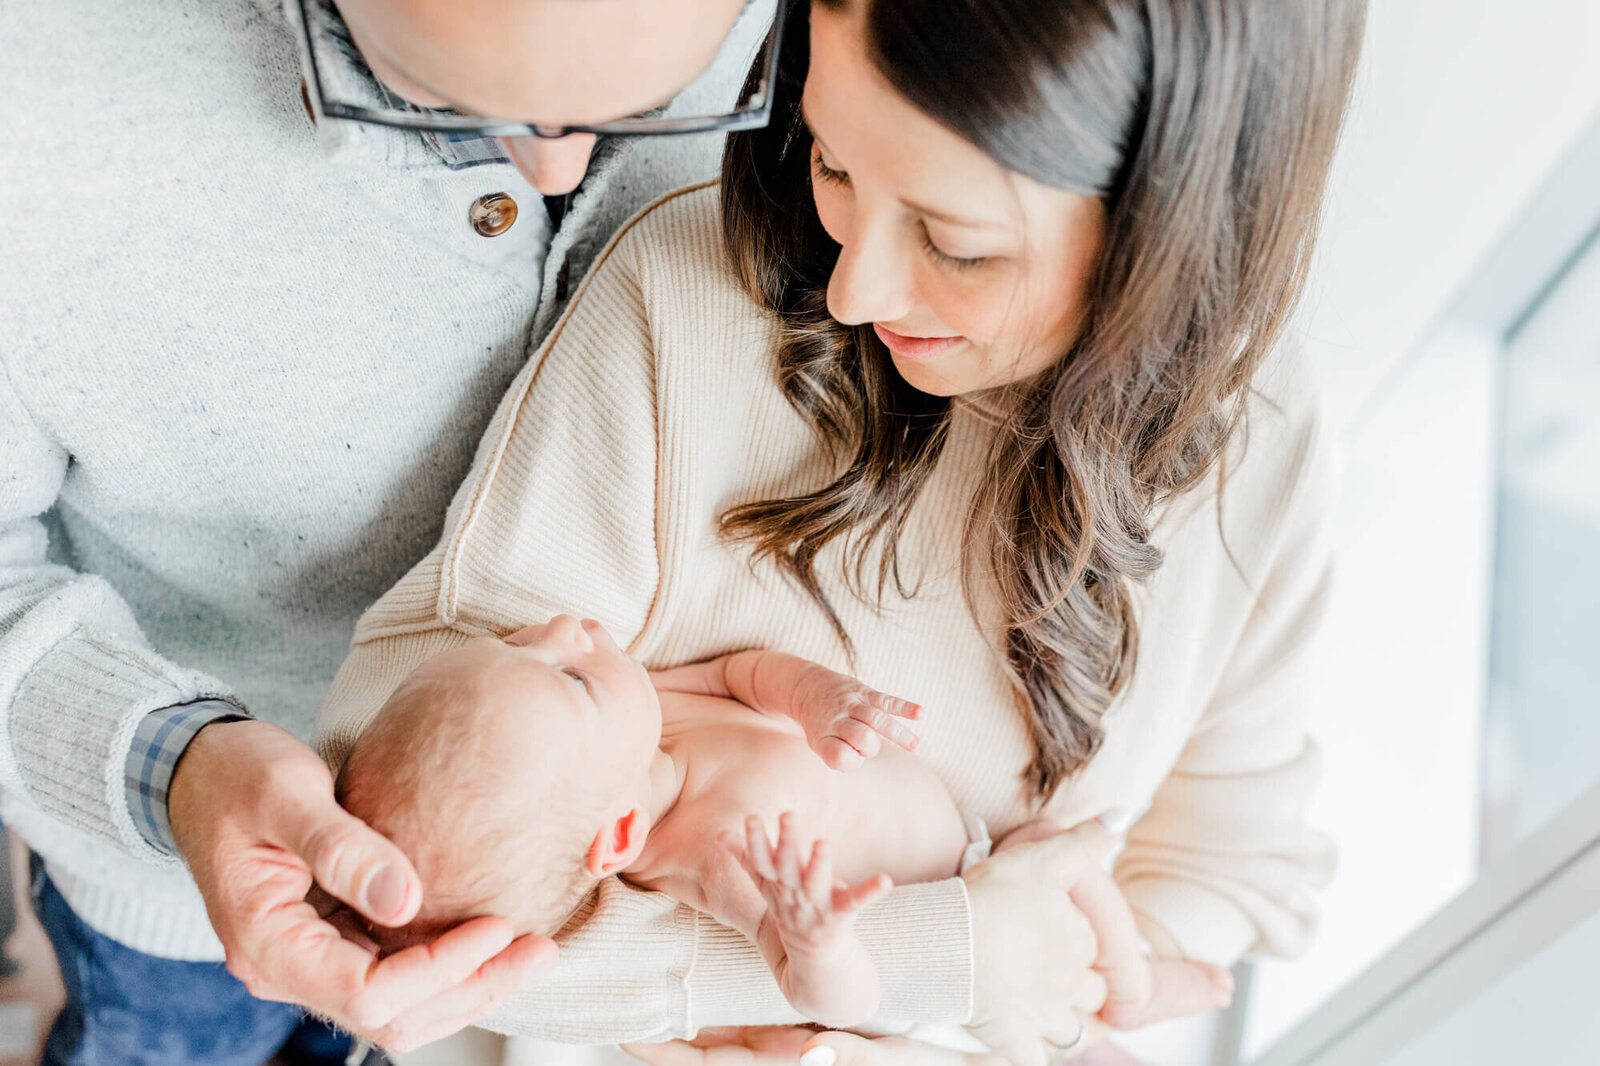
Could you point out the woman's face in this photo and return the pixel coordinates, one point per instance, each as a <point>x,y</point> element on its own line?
<point>972,275</point>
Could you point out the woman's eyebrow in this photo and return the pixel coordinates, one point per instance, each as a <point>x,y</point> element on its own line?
<point>954,220</point>
<point>922,209</point>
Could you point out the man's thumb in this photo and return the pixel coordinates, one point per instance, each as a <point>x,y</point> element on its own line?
<point>356,864</point>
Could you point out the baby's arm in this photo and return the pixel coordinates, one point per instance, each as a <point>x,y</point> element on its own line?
<point>844,720</point>
<point>806,926</point>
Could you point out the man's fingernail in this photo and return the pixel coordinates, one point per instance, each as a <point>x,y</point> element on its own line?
<point>821,1055</point>
<point>386,892</point>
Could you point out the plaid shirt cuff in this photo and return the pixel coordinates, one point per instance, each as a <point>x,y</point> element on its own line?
<point>158,744</point>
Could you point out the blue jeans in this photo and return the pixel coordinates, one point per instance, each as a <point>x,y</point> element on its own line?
<point>126,1008</point>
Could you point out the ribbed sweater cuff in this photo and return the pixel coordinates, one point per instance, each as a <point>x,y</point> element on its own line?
<point>73,721</point>
<point>920,938</point>
<point>1183,920</point>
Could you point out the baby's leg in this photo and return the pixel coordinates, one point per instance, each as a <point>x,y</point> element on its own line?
<point>807,934</point>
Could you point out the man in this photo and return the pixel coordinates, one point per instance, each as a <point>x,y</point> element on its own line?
<point>247,347</point>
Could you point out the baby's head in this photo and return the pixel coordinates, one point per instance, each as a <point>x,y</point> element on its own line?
<point>514,773</point>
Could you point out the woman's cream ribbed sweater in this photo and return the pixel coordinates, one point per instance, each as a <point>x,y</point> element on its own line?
<point>652,408</point>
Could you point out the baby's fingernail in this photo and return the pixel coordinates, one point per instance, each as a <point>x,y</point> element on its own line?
<point>386,893</point>
<point>821,1055</point>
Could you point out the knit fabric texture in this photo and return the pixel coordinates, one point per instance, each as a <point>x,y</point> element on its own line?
<point>654,406</point>
<point>244,363</point>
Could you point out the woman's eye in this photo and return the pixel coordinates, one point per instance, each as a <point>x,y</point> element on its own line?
<point>955,262</point>
<point>825,172</point>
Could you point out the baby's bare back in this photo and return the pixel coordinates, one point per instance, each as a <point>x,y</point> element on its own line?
<point>891,815</point>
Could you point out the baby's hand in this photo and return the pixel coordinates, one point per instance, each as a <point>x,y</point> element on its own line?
<point>812,914</point>
<point>845,721</point>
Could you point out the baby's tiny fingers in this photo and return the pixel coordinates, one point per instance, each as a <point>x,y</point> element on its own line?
<point>855,897</point>
<point>837,754</point>
<point>760,848</point>
<point>730,841</point>
<point>788,851</point>
<point>819,875</point>
<point>895,705</point>
<point>858,735</point>
<point>893,729</point>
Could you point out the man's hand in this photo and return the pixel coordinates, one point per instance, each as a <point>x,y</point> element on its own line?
<point>253,812</point>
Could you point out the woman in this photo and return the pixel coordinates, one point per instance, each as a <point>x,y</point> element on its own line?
<point>1028,263</point>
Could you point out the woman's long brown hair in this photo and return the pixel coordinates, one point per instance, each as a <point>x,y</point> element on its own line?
<point>1206,127</point>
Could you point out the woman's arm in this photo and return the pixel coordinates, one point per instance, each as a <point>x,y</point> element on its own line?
<point>560,513</point>
<point>1222,863</point>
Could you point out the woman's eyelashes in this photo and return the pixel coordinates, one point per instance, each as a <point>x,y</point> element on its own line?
<point>827,173</point>
<point>955,262</point>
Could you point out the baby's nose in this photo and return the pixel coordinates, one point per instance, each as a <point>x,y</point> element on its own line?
<point>565,628</point>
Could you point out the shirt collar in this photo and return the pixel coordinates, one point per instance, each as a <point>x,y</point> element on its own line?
<point>346,77</point>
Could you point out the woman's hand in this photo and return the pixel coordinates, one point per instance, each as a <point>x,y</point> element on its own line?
<point>1134,990</point>
<point>1035,988</point>
<point>253,812</point>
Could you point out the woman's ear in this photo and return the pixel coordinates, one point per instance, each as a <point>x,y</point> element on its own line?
<point>618,843</point>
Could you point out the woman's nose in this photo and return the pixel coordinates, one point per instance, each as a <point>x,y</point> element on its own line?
<point>871,282</point>
<point>552,165</point>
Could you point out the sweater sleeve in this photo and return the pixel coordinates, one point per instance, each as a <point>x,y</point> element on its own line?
<point>76,674</point>
<point>1222,863</point>
<point>560,514</point>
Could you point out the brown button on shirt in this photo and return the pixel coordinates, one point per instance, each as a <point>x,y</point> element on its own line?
<point>493,214</point>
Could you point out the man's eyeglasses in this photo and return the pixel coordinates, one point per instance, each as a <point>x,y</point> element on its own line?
<point>752,112</point>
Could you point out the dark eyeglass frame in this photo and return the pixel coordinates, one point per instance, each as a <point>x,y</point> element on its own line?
<point>754,115</point>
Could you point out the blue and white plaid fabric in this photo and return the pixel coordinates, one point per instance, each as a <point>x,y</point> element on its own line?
<point>158,742</point>
<point>462,150</point>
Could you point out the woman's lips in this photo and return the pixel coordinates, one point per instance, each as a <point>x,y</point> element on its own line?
<point>915,349</point>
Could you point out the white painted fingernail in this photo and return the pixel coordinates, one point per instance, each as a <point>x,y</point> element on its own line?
<point>821,1055</point>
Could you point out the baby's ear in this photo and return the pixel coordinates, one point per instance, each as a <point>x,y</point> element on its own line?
<point>618,843</point>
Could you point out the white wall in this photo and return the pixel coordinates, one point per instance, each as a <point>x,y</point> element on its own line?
<point>1461,108</point>
<point>1398,692</point>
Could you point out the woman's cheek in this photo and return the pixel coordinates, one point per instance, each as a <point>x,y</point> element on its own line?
<point>964,308</point>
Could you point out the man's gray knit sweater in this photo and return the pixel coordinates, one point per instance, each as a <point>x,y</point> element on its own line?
<point>243,365</point>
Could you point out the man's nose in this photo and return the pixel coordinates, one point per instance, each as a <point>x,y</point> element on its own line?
<point>553,166</point>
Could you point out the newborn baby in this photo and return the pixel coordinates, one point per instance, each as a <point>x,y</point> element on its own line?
<point>517,773</point>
